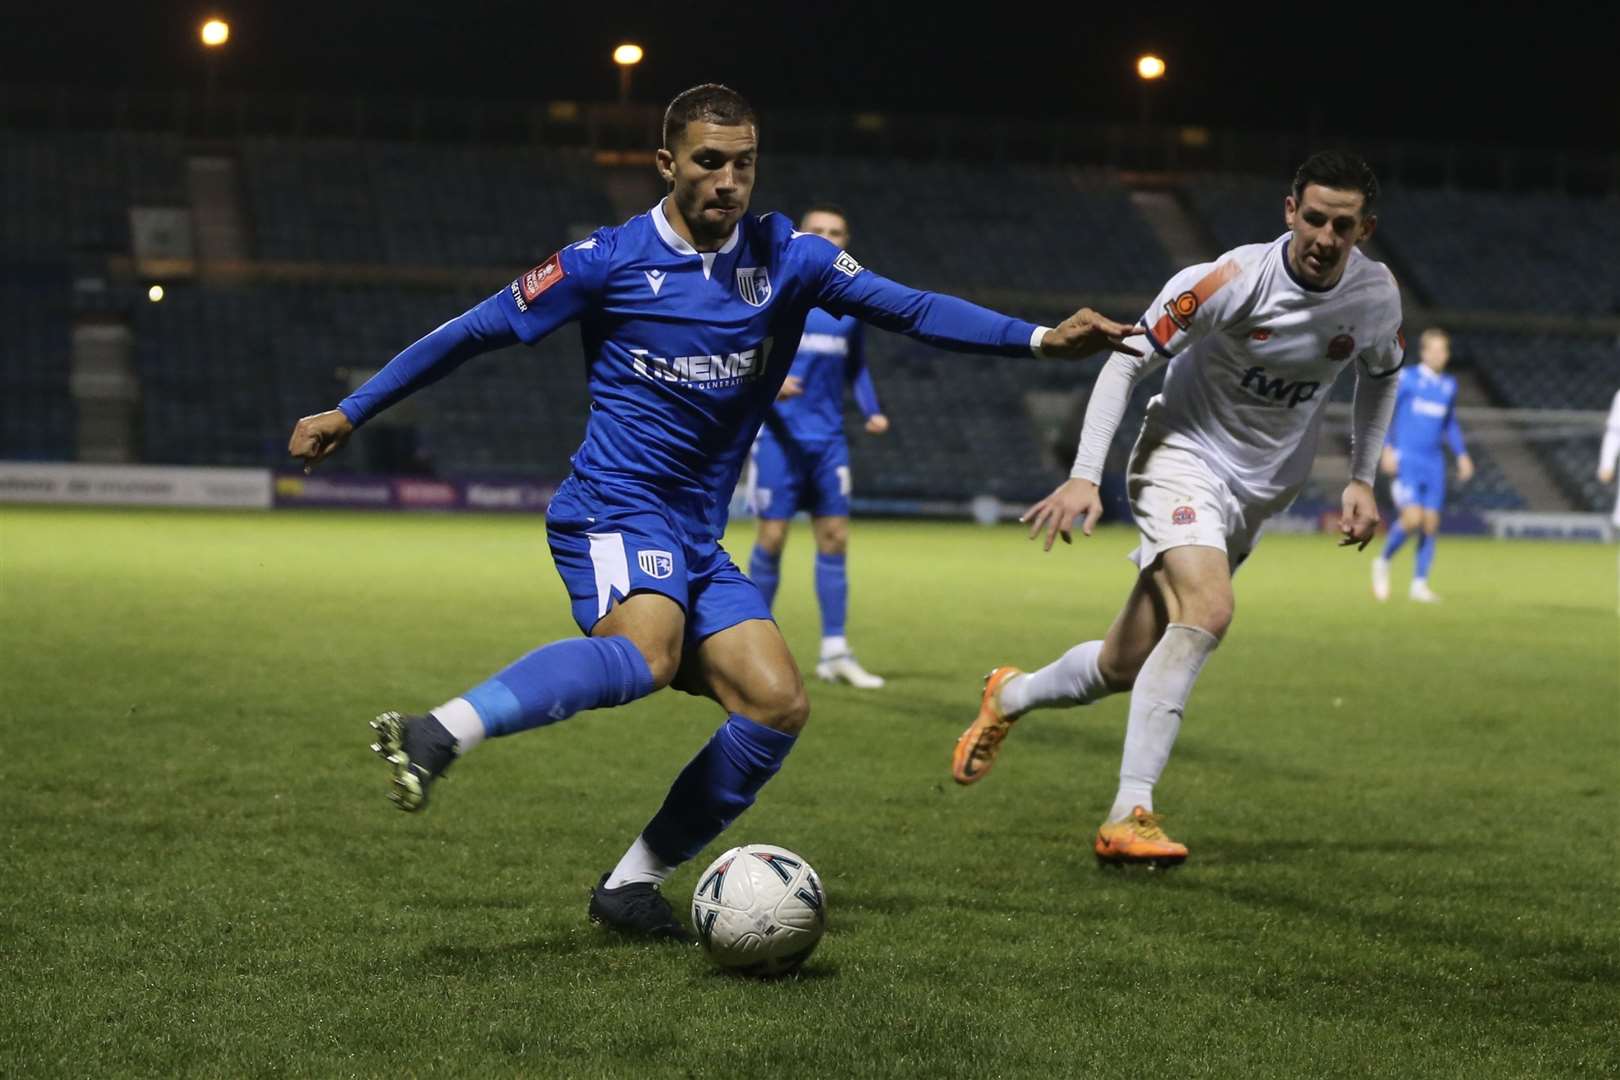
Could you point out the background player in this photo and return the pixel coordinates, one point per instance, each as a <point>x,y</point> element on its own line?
<point>679,308</point>
<point>1424,425</point>
<point>1254,341</point>
<point>801,461</point>
<point>1610,452</point>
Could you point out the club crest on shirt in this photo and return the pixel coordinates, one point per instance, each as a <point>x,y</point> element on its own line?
<point>754,284</point>
<point>1341,347</point>
<point>1183,515</point>
<point>656,564</point>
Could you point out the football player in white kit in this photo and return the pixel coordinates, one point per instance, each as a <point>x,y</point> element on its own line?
<point>1254,341</point>
<point>1610,453</point>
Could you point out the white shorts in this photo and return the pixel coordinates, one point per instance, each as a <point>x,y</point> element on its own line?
<point>1179,502</point>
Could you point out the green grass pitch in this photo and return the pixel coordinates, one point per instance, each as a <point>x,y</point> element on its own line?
<point>1402,820</point>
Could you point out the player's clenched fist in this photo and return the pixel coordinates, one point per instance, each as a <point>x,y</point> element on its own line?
<point>1359,520</point>
<point>317,437</point>
<point>1055,514</point>
<point>1085,333</point>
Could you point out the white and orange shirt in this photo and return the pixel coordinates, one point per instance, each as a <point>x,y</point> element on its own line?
<point>1253,354</point>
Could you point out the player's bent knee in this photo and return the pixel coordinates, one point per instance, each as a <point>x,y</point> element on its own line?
<point>1212,613</point>
<point>1119,673</point>
<point>662,663</point>
<point>1216,620</point>
<point>786,710</point>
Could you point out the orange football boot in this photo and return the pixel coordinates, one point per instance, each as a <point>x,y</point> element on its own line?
<point>1138,839</point>
<point>977,748</point>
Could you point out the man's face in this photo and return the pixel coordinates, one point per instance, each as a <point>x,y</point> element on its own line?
<point>1436,352</point>
<point>828,224</point>
<point>712,169</point>
<point>1326,223</point>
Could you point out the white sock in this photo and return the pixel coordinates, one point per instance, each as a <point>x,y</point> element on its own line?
<point>1162,688</point>
<point>461,720</point>
<point>1072,679</point>
<point>833,647</point>
<point>640,864</point>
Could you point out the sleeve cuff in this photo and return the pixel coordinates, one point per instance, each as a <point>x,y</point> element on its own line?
<point>349,409</point>
<point>1035,338</point>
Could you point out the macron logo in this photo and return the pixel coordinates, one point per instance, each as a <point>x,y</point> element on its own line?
<point>655,278</point>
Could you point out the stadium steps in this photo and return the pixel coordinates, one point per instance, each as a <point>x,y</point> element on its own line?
<point>1179,233</point>
<point>1413,297</point>
<point>105,389</point>
<point>216,210</point>
<point>1523,469</point>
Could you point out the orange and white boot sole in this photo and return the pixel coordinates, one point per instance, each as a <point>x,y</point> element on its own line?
<point>988,731</point>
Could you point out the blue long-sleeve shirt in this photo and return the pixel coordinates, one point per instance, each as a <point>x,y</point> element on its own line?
<point>686,350</point>
<point>1426,416</point>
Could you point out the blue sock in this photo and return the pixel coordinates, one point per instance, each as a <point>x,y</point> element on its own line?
<point>715,787</point>
<point>1425,556</point>
<point>1397,537</point>
<point>765,570</point>
<point>832,593</point>
<point>558,680</point>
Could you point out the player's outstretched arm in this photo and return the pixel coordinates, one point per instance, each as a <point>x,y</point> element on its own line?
<point>846,287</point>
<point>422,363</point>
<point>557,291</point>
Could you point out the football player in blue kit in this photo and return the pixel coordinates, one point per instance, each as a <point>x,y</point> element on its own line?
<point>1423,428</point>
<point>801,462</point>
<point>688,314</point>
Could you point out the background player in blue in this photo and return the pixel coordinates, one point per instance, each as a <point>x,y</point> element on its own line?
<point>680,312</point>
<point>1425,423</point>
<point>801,462</point>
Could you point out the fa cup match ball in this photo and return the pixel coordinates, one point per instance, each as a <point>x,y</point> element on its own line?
<point>759,910</point>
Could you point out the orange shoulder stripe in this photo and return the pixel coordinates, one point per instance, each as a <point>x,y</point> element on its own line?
<point>1181,308</point>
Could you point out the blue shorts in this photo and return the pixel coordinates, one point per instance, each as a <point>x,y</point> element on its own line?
<point>607,545</point>
<point>1420,484</point>
<point>785,477</point>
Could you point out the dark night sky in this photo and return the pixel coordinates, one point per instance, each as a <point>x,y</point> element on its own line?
<point>1540,75</point>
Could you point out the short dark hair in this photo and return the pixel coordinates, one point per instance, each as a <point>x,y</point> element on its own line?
<point>1342,170</point>
<point>826,208</point>
<point>710,102</point>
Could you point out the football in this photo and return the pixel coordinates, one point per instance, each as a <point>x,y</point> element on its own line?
<point>759,910</point>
